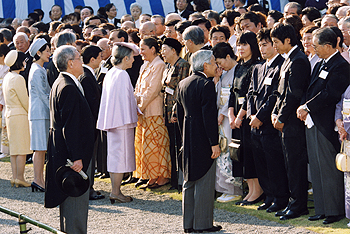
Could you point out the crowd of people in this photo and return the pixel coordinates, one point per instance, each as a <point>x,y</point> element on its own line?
<point>145,99</point>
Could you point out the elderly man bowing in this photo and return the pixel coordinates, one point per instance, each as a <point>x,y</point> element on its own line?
<point>71,137</point>
<point>197,115</point>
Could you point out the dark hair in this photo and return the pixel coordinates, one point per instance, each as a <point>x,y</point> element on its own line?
<point>262,19</point>
<point>308,29</point>
<point>90,8</point>
<point>63,26</point>
<point>257,8</point>
<point>311,13</point>
<point>30,21</point>
<point>250,38</point>
<point>218,28</point>
<point>76,15</point>
<point>90,51</point>
<point>109,6</point>
<point>93,17</point>
<point>41,26</point>
<point>54,25</point>
<point>264,34</point>
<point>57,6</point>
<point>282,31</point>
<point>44,36</point>
<point>339,34</point>
<point>132,33</point>
<point>36,56</point>
<point>121,33</point>
<point>222,49</point>
<point>1,38</point>
<point>18,65</point>
<point>146,15</point>
<point>4,49</point>
<point>333,8</point>
<point>276,15</point>
<point>39,12</point>
<point>79,7</point>
<point>197,15</point>
<point>201,5</point>
<point>181,26</point>
<point>230,15</point>
<point>101,13</point>
<point>152,42</point>
<point>296,22</point>
<point>172,22</point>
<point>107,26</point>
<point>214,15</point>
<point>252,16</point>
<point>95,38</point>
<point>206,23</point>
<point>34,16</point>
<point>81,43</point>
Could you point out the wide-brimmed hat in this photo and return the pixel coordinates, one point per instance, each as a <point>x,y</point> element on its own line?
<point>36,45</point>
<point>132,46</point>
<point>70,182</point>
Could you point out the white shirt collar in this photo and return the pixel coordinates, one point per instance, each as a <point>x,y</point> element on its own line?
<point>291,50</point>
<point>271,61</point>
<point>111,21</point>
<point>203,74</point>
<point>327,59</point>
<point>90,69</point>
<point>75,81</point>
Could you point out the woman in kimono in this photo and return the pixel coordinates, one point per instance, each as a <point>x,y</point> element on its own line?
<point>225,182</point>
<point>151,140</point>
<point>342,120</point>
<point>39,109</point>
<point>118,116</point>
<point>16,115</point>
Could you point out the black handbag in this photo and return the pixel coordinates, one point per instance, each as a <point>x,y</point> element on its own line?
<point>234,148</point>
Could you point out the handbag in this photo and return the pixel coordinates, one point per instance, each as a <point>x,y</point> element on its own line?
<point>234,148</point>
<point>222,140</point>
<point>341,160</point>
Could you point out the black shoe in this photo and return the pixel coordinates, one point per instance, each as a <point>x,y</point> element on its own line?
<point>275,207</point>
<point>316,217</point>
<point>98,175</point>
<point>188,230</point>
<point>248,203</point>
<point>36,187</point>
<point>104,176</point>
<point>130,180</point>
<point>240,202</point>
<point>283,212</point>
<point>212,229</point>
<point>264,206</point>
<point>293,214</point>
<point>29,160</point>
<point>96,197</point>
<point>333,219</point>
<point>141,182</point>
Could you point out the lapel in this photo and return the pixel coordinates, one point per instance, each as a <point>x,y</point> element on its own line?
<point>315,72</point>
<point>261,77</point>
<point>327,66</point>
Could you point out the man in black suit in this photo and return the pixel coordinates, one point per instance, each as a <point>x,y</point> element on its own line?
<point>111,12</point>
<point>92,57</point>
<point>184,9</point>
<point>197,115</point>
<point>22,44</point>
<point>71,137</point>
<point>329,80</point>
<point>294,79</point>
<point>267,148</point>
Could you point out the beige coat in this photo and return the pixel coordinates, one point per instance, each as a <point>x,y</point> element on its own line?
<point>16,115</point>
<point>148,88</point>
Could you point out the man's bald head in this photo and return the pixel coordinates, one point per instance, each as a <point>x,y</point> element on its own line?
<point>106,50</point>
<point>147,29</point>
<point>172,16</point>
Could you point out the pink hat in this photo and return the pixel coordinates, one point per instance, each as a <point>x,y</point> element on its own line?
<point>132,46</point>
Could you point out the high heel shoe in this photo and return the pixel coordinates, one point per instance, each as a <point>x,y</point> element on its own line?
<point>114,199</point>
<point>248,203</point>
<point>36,187</point>
<point>12,182</point>
<point>20,183</point>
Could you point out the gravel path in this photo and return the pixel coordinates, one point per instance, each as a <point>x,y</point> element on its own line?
<point>148,213</point>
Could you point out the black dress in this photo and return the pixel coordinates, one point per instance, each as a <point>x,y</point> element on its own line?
<point>239,90</point>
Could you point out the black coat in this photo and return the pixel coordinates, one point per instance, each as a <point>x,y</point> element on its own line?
<point>294,79</point>
<point>71,134</point>
<point>52,73</point>
<point>25,73</point>
<point>260,98</point>
<point>134,71</point>
<point>197,115</point>
<point>322,95</point>
<point>101,72</point>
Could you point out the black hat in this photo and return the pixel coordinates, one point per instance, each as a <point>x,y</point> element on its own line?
<point>173,43</point>
<point>70,182</point>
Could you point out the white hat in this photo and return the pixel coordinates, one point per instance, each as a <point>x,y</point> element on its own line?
<point>131,46</point>
<point>36,45</point>
<point>11,58</point>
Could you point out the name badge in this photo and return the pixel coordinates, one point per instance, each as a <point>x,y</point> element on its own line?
<point>240,100</point>
<point>268,81</point>
<point>169,90</point>
<point>323,74</point>
<point>143,85</point>
<point>283,75</point>
<point>225,91</point>
<point>104,70</point>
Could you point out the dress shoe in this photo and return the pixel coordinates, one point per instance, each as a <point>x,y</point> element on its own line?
<point>264,206</point>
<point>275,207</point>
<point>12,181</point>
<point>293,214</point>
<point>20,183</point>
<point>316,217</point>
<point>283,212</point>
<point>188,230</point>
<point>333,219</point>
<point>240,202</point>
<point>212,229</point>
<point>36,187</point>
<point>104,176</point>
<point>98,175</point>
<point>130,180</point>
<point>248,203</point>
<point>123,199</point>
<point>95,195</point>
<point>141,182</point>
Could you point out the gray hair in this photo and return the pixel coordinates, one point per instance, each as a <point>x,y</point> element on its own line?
<point>65,37</point>
<point>160,17</point>
<point>346,22</point>
<point>199,58</point>
<point>331,16</point>
<point>62,55</point>
<point>118,53</point>
<point>195,34</point>
<point>294,5</point>
<point>6,33</point>
<point>18,20</point>
<point>325,36</point>
<point>135,4</point>
<point>20,34</point>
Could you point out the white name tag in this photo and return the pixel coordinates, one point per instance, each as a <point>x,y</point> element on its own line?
<point>323,74</point>
<point>143,85</point>
<point>283,75</point>
<point>104,70</point>
<point>169,90</point>
<point>267,81</point>
<point>225,91</point>
<point>240,100</point>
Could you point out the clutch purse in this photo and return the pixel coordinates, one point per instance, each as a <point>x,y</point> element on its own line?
<point>341,160</point>
<point>234,148</point>
<point>222,140</point>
